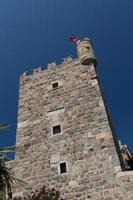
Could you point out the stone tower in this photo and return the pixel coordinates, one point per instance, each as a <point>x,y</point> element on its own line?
<point>64,136</point>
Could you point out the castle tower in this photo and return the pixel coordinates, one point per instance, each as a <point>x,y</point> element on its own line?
<point>85,52</point>
<point>64,137</point>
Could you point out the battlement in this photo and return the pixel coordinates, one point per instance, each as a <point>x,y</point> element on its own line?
<point>85,53</point>
<point>50,67</point>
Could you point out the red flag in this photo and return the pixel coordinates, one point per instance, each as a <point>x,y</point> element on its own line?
<point>73,39</point>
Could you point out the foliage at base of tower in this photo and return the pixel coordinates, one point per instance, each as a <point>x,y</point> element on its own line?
<point>42,194</point>
<point>6,180</point>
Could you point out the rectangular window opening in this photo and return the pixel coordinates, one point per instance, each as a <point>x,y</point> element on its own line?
<point>63,168</point>
<point>55,85</point>
<point>56,129</point>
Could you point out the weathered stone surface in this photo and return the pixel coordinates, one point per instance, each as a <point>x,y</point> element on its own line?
<point>54,159</point>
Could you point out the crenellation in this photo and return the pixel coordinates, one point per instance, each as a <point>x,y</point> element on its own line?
<point>67,60</point>
<point>37,70</point>
<point>52,65</point>
<point>26,76</point>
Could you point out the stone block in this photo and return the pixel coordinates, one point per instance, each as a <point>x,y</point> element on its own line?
<point>54,159</point>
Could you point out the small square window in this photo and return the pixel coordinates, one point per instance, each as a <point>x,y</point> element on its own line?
<point>56,129</point>
<point>55,85</point>
<point>63,168</point>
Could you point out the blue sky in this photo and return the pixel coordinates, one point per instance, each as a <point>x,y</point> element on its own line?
<point>35,32</point>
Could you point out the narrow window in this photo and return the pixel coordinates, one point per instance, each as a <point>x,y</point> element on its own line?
<point>55,85</point>
<point>87,47</point>
<point>56,129</point>
<point>63,168</point>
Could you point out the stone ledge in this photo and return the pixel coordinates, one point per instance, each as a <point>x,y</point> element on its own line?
<point>124,173</point>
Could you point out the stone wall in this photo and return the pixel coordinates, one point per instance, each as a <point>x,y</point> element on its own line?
<point>85,144</point>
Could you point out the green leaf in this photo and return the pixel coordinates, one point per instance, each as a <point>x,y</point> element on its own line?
<point>7,151</point>
<point>3,126</point>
